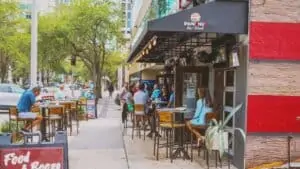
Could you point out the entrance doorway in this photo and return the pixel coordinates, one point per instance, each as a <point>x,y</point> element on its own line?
<point>187,80</point>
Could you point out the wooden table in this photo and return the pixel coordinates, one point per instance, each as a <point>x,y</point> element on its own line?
<point>44,108</point>
<point>181,112</point>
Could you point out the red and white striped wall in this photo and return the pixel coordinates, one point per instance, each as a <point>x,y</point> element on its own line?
<point>274,66</point>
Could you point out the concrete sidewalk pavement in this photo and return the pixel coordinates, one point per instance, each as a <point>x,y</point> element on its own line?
<point>100,143</point>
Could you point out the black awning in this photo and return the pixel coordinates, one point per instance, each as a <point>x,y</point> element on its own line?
<point>222,17</point>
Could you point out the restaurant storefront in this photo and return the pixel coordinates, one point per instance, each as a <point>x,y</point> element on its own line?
<point>201,48</point>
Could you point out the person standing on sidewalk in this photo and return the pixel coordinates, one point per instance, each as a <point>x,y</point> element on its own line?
<point>123,97</point>
<point>110,90</point>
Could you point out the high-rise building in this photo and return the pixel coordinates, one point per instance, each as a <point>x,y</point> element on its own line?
<point>127,13</point>
<point>25,6</point>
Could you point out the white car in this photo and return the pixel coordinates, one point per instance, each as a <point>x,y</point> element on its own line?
<point>9,96</point>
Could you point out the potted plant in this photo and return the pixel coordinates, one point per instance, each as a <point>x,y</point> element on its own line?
<point>216,136</point>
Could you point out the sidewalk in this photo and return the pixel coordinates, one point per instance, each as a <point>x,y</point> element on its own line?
<point>100,144</point>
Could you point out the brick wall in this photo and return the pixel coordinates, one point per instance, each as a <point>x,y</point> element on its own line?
<point>273,79</point>
<point>279,78</point>
<point>270,148</point>
<point>287,11</point>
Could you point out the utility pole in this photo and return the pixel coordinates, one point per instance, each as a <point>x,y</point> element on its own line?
<point>33,52</point>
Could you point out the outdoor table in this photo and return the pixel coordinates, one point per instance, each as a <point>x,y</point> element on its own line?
<point>68,109</point>
<point>44,108</point>
<point>181,111</point>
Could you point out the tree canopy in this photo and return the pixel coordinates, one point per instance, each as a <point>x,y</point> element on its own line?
<point>14,40</point>
<point>88,30</point>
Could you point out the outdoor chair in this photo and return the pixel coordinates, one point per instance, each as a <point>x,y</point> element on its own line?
<point>74,115</point>
<point>13,117</point>
<point>139,120</point>
<point>67,116</point>
<point>166,122</point>
<point>54,120</point>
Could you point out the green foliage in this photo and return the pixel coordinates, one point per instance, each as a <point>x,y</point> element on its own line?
<point>215,132</point>
<point>14,38</point>
<point>86,28</point>
<point>4,126</point>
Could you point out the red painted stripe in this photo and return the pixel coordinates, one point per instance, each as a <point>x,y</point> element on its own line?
<point>273,113</point>
<point>278,41</point>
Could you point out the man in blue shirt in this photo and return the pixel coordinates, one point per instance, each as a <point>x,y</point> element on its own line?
<point>25,103</point>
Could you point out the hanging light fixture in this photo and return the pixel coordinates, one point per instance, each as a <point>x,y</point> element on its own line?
<point>143,53</point>
<point>154,42</point>
<point>147,52</point>
<point>150,46</point>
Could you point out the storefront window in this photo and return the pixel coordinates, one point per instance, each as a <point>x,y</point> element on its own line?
<point>189,90</point>
<point>229,99</point>
<point>229,78</point>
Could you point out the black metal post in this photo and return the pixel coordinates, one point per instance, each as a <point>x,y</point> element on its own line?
<point>289,151</point>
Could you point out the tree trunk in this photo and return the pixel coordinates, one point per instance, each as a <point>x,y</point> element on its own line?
<point>3,66</point>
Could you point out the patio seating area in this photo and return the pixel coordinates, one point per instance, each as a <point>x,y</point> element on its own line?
<point>171,140</point>
<point>51,116</point>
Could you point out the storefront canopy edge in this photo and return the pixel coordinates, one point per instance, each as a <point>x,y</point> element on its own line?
<point>223,17</point>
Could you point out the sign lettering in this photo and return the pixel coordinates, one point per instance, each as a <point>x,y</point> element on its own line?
<point>32,158</point>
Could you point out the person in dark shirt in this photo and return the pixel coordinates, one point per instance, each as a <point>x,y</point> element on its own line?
<point>25,103</point>
<point>110,90</point>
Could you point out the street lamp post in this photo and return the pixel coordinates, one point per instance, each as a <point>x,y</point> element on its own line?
<point>33,52</point>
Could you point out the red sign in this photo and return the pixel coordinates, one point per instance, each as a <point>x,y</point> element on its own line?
<point>32,158</point>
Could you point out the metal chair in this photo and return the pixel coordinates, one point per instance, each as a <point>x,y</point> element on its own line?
<point>139,116</point>
<point>55,114</point>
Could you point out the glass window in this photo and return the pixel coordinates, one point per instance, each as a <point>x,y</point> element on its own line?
<point>128,23</point>
<point>229,78</point>
<point>229,99</point>
<point>129,15</point>
<point>129,6</point>
<point>230,123</point>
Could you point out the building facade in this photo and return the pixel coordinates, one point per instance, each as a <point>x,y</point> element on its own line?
<point>127,13</point>
<point>273,81</point>
<point>267,81</point>
<point>142,12</point>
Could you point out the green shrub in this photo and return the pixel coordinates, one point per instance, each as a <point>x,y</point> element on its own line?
<point>4,127</point>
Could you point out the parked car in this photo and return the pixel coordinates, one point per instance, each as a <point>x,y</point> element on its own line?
<point>9,96</point>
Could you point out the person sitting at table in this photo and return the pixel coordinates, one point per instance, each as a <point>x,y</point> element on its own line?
<point>204,106</point>
<point>164,95</point>
<point>60,94</point>
<point>171,102</point>
<point>27,100</point>
<point>156,93</point>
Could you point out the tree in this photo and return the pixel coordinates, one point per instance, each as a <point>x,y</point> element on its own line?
<point>52,51</point>
<point>14,39</point>
<point>112,62</point>
<point>87,29</point>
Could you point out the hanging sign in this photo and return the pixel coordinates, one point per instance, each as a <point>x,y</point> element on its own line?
<point>195,23</point>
